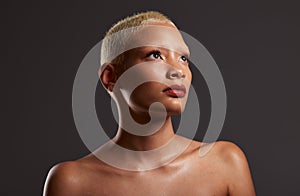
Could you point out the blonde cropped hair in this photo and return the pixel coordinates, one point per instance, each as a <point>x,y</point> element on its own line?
<point>110,45</point>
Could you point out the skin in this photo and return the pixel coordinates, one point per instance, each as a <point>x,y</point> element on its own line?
<point>222,171</point>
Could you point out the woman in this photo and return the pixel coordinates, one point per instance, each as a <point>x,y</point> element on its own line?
<point>145,70</point>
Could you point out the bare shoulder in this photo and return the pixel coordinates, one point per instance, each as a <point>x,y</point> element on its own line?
<point>64,179</point>
<point>223,149</point>
<point>230,152</point>
<point>75,177</point>
<point>230,155</point>
<point>231,164</point>
<point>236,166</point>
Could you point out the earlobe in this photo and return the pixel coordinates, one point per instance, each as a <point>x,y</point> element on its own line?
<point>110,86</point>
<point>107,76</point>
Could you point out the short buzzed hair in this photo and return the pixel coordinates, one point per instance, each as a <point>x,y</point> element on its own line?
<point>135,20</point>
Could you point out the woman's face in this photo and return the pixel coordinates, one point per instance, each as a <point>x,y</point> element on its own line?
<point>167,68</point>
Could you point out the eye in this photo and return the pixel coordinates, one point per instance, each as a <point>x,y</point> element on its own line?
<point>183,59</point>
<point>154,55</point>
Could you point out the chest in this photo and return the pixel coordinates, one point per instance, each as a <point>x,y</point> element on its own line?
<point>176,183</point>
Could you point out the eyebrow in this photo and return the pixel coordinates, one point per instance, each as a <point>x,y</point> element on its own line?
<point>187,54</point>
<point>183,53</point>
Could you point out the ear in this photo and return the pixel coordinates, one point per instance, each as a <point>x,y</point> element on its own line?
<point>108,76</point>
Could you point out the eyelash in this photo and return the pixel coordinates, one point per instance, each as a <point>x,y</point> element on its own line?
<point>157,52</point>
<point>186,59</point>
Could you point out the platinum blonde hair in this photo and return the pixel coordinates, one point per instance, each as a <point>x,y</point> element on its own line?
<point>116,38</point>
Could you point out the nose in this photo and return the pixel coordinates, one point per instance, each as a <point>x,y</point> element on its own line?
<point>175,73</point>
<point>177,70</point>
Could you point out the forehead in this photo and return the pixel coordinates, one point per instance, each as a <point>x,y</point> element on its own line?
<point>167,37</point>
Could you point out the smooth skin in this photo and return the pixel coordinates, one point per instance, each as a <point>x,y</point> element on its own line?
<point>222,171</point>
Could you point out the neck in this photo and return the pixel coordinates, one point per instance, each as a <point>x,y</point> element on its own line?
<point>142,143</point>
<point>142,153</point>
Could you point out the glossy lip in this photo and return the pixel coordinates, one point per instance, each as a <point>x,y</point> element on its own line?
<point>176,91</point>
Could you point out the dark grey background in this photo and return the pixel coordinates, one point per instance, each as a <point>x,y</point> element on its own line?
<point>255,44</point>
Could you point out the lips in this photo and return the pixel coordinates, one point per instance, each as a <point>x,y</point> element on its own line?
<point>176,91</point>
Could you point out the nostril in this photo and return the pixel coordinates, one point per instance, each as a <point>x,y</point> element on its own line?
<point>176,74</point>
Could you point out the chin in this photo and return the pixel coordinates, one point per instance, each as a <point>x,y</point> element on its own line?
<point>175,106</point>
<point>170,107</point>
<point>174,111</point>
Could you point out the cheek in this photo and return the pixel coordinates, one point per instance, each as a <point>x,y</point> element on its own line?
<point>189,77</point>
<point>144,95</point>
<point>188,74</point>
<point>154,82</point>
